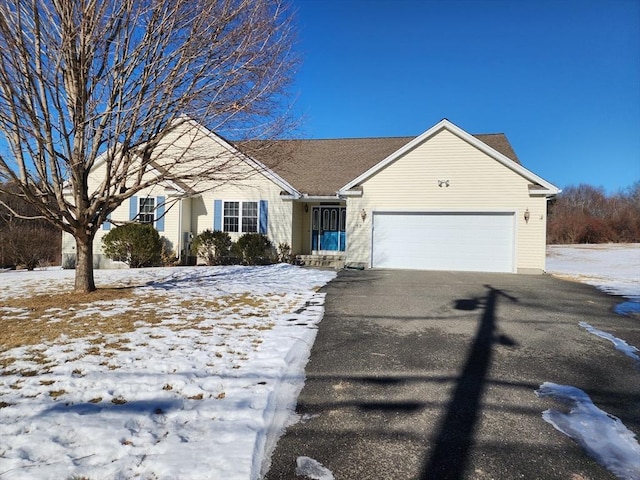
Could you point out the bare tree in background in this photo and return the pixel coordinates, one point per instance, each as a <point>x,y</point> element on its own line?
<point>112,80</point>
<point>27,243</point>
<point>586,214</point>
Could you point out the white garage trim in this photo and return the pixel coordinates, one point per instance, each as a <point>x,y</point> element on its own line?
<point>459,241</point>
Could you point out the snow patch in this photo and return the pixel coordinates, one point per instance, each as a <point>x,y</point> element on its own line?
<point>612,268</point>
<point>603,436</point>
<point>203,393</point>
<point>310,468</point>
<point>621,345</point>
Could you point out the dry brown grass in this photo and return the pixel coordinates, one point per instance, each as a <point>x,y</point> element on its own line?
<point>44,318</point>
<point>65,316</point>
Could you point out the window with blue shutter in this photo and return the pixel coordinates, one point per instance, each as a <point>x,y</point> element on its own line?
<point>160,213</point>
<point>107,223</point>
<point>133,208</point>
<point>264,216</point>
<point>217,215</point>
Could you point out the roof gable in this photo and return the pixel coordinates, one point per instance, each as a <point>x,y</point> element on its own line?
<point>321,167</point>
<point>481,142</point>
<point>257,165</point>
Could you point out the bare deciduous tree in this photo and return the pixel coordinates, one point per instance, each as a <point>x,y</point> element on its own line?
<point>585,214</point>
<point>112,80</point>
<point>27,243</point>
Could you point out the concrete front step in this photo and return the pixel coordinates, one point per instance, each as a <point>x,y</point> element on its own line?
<point>329,261</point>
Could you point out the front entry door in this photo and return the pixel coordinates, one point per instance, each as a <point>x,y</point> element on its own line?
<point>328,232</point>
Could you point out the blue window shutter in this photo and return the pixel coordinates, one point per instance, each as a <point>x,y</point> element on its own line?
<point>217,215</point>
<point>107,224</point>
<point>160,214</point>
<point>264,216</point>
<point>133,208</point>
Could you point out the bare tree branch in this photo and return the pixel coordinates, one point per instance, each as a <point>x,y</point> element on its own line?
<point>113,80</point>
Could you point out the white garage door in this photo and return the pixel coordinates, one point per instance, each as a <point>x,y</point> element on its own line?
<point>481,242</point>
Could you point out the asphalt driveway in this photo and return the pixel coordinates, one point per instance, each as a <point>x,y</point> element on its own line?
<point>432,375</point>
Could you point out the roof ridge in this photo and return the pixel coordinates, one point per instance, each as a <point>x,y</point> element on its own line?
<point>338,139</point>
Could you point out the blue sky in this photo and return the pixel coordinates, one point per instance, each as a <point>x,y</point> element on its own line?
<point>560,78</point>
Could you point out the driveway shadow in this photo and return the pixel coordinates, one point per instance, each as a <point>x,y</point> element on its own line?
<point>455,436</point>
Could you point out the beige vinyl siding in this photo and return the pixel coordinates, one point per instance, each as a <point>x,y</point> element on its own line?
<point>300,229</point>
<point>121,215</point>
<point>237,181</point>
<point>192,150</point>
<point>477,182</point>
<point>279,226</point>
<point>184,212</point>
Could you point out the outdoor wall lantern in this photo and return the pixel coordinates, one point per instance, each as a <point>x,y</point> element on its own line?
<point>443,183</point>
<point>306,208</point>
<point>363,214</point>
<point>527,215</point>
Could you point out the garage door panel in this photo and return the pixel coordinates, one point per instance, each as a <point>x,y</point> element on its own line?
<point>444,241</point>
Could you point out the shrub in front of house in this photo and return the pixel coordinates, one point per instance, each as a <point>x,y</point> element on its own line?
<point>168,257</point>
<point>255,249</point>
<point>136,244</point>
<point>284,254</point>
<point>214,247</point>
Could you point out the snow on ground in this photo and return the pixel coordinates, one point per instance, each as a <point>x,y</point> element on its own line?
<point>602,435</point>
<point>200,386</point>
<point>310,468</point>
<point>619,344</point>
<point>615,269</point>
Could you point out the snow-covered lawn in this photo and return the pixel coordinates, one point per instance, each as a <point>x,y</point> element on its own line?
<point>181,373</point>
<point>615,269</point>
<point>192,373</point>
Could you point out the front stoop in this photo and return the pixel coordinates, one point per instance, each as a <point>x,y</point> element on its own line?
<point>328,261</point>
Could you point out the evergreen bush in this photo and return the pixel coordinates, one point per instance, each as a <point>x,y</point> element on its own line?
<point>136,244</point>
<point>255,249</point>
<point>214,247</point>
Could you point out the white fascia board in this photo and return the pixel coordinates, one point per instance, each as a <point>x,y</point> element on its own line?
<point>445,124</point>
<point>351,193</point>
<point>266,171</point>
<point>319,198</point>
<point>544,192</point>
<point>394,156</point>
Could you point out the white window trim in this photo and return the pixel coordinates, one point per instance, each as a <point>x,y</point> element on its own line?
<point>151,213</point>
<point>240,204</point>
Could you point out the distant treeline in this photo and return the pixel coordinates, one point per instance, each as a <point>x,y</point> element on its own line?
<point>585,214</point>
<point>23,242</point>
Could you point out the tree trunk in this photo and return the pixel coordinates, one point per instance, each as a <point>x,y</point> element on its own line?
<point>84,265</point>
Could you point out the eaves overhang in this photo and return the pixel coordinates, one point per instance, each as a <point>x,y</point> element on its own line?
<point>445,124</point>
<point>259,166</point>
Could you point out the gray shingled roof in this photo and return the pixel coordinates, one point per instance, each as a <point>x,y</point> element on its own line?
<point>322,167</point>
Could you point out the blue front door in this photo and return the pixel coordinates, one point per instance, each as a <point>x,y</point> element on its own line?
<point>328,229</point>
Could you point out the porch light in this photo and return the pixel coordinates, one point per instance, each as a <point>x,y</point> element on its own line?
<point>527,215</point>
<point>363,214</point>
<point>306,208</point>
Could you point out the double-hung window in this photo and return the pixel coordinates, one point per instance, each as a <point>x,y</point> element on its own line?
<point>250,217</point>
<point>240,217</point>
<point>147,210</point>
<point>231,216</point>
